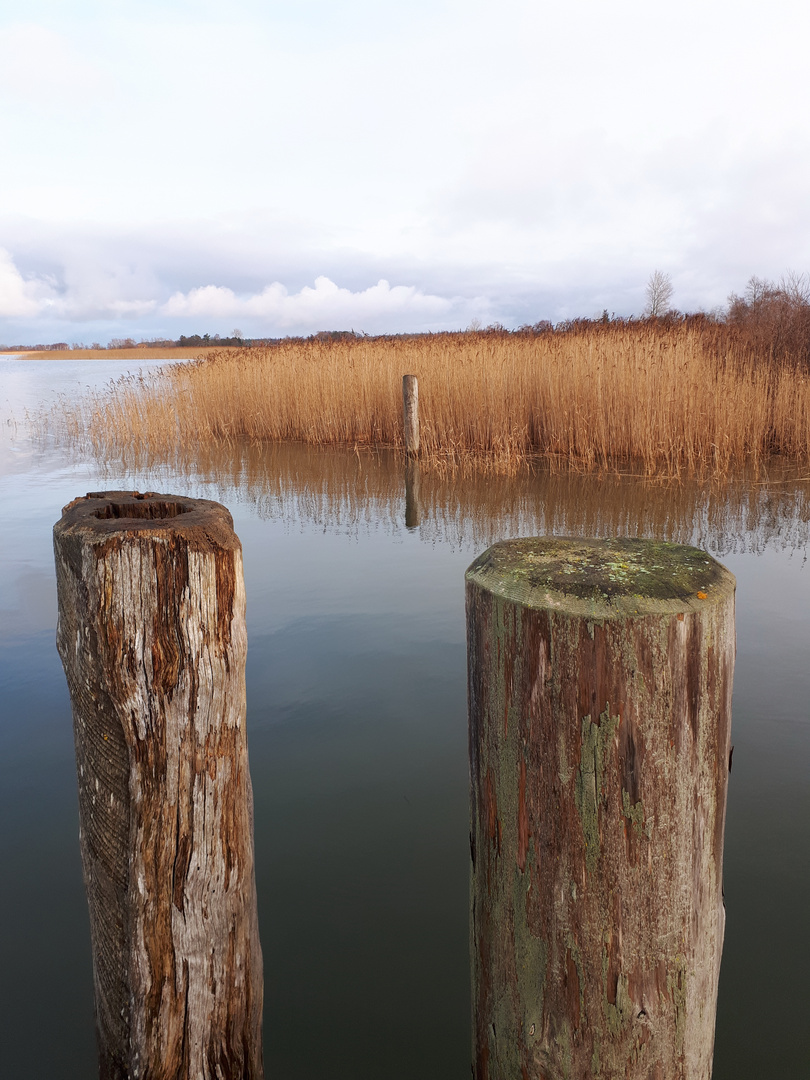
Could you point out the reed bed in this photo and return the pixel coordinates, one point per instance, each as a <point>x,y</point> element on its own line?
<point>658,398</point>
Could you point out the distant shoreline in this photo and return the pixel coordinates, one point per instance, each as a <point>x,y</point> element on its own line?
<point>116,354</point>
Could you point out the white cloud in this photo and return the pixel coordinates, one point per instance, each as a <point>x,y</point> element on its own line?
<point>40,296</point>
<point>325,305</point>
<point>91,287</point>
<point>18,298</point>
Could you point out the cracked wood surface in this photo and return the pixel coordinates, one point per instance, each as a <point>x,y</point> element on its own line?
<point>152,637</point>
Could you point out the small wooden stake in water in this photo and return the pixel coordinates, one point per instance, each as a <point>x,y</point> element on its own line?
<point>600,677</point>
<point>152,637</point>
<point>410,406</point>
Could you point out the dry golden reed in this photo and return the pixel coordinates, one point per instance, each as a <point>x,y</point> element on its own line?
<point>655,397</point>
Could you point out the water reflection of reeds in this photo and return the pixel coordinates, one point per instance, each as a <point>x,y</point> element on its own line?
<point>346,491</point>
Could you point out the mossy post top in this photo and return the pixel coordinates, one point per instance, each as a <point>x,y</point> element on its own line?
<point>602,579</point>
<point>98,516</point>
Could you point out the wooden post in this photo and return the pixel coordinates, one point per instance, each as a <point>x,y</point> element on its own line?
<point>600,677</point>
<point>410,407</point>
<point>412,486</point>
<point>152,637</point>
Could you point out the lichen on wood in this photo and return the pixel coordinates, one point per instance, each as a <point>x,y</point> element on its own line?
<point>600,675</point>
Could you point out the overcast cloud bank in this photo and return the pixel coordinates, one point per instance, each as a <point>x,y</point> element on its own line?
<point>40,302</point>
<point>325,305</point>
<point>171,168</point>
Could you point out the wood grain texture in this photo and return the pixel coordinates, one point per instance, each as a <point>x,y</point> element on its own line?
<point>600,680</point>
<point>152,637</point>
<point>410,409</point>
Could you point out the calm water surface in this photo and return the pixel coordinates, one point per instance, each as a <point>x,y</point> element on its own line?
<point>357,731</point>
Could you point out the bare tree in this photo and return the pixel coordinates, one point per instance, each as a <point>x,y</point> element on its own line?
<point>775,317</point>
<point>659,293</point>
<point>796,288</point>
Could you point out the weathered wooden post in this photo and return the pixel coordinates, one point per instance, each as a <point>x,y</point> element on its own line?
<point>410,408</point>
<point>600,677</point>
<point>412,492</point>
<point>152,637</point>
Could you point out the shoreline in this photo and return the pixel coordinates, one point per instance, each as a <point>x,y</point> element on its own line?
<point>114,354</point>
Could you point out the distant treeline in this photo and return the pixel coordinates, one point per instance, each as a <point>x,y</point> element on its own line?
<point>193,341</point>
<point>771,318</point>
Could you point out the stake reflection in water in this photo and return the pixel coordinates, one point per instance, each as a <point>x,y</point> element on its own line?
<point>413,482</point>
<point>347,491</point>
<point>152,637</point>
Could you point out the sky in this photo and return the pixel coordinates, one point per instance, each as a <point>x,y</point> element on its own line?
<point>192,166</point>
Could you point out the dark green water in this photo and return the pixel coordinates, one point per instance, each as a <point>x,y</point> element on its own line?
<point>357,736</point>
